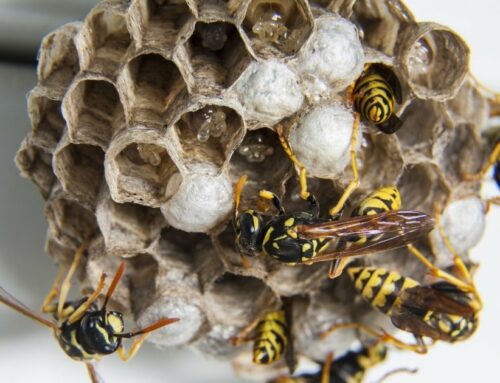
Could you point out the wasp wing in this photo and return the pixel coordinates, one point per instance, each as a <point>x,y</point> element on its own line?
<point>392,230</point>
<point>441,297</point>
<point>9,300</point>
<point>406,320</point>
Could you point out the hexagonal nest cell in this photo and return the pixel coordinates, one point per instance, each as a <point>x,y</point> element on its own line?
<point>94,112</point>
<point>146,115</point>
<point>207,135</point>
<point>277,28</point>
<point>109,39</point>
<point>143,170</point>
<point>217,54</point>
<point>153,84</point>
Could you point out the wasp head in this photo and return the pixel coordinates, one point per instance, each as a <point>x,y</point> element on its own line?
<point>249,227</point>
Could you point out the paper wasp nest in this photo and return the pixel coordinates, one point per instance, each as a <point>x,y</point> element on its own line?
<point>147,113</point>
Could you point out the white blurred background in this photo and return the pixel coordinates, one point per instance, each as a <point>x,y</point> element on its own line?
<point>28,353</point>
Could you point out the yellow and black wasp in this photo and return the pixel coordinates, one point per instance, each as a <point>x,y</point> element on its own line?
<point>304,237</point>
<point>348,368</point>
<point>273,336</point>
<point>85,331</point>
<point>446,310</point>
<point>375,95</point>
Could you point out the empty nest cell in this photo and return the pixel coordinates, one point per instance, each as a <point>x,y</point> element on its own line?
<point>35,163</point>
<point>79,168</point>
<point>46,119</point>
<point>423,121</point>
<point>207,135</point>
<point>380,22</point>
<point>435,60</point>
<point>70,223</point>
<point>217,55</point>
<point>138,167</point>
<point>277,27</point>
<point>236,300</point>
<point>128,229</point>
<point>94,112</point>
<point>153,84</point>
<point>58,62</point>
<point>419,186</point>
<point>106,34</point>
<point>160,22</point>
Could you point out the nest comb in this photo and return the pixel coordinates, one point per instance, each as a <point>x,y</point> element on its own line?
<point>147,113</point>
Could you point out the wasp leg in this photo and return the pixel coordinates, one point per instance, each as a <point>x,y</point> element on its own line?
<point>437,272</point>
<point>325,372</point>
<point>47,306</point>
<point>397,371</point>
<point>491,201</point>
<point>274,199</point>
<point>459,264</point>
<point>420,347</point>
<point>304,194</point>
<point>355,181</point>
<point>124,355</point>
<point>78,313</point>
<point>237,194</point>
<point>337,266</point>
<point>495,154</point>
<point>66,285</point>
<point>243,334</point>
<point>93,375</point>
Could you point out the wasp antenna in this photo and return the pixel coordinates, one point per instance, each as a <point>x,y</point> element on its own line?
<point>114,283</point>
<point>154,326</point>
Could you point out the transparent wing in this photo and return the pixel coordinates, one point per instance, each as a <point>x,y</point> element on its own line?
<point>9,300</point>
<point>390,230</point>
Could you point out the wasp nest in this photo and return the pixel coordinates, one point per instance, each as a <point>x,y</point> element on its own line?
<point>147,113</point>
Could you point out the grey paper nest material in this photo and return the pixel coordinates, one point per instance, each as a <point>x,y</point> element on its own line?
<point>147,113</point>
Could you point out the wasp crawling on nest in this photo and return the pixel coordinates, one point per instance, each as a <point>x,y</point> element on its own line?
<point>85,331</point>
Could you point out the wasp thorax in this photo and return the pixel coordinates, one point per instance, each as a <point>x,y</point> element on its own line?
<point>209,122</point>
<point>256,150</point>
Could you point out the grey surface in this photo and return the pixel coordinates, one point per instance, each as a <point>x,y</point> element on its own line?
<point>24,22</point>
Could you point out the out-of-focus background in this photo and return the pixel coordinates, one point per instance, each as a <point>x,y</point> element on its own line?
<point>28,353</point>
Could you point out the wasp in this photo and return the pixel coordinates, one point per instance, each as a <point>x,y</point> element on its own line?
<point>375,95</point>
<point>303,237</point>
<point>273,337</point>
<point>348,368</point>
<point>85,331</point>
<point>445,310</point>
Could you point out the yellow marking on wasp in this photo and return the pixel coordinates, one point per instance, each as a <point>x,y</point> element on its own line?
<point>276,246</point>
<point>292,234</point>
<point>284,236</point>
<point>289,222</point>
<point>306,247</point>
<point>103,332</point>
<point>115,322</point>
<point>76,344</point>
<point>387,289</point>
<point>374,281</point>
<point>270,330</point>
<point>268,235</point>
<point>255,221</point>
